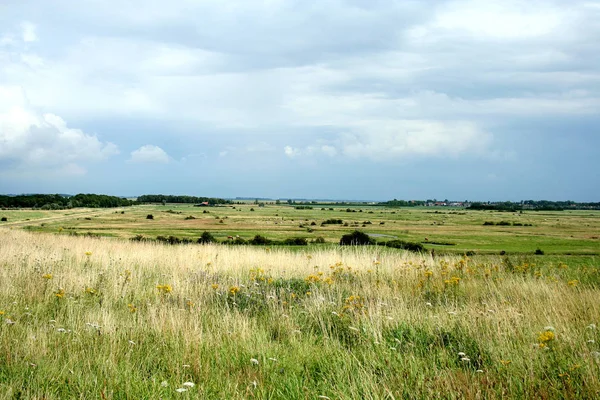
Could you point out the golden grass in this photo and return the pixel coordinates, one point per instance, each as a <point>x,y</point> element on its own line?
<point>92,317</point>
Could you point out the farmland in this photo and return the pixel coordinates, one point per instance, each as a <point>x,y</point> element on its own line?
<point>88,313</point>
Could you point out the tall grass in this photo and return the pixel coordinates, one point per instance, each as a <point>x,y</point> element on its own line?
<point>100,318</point>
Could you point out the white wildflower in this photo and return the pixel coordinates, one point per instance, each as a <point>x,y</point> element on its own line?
<point>549,328</point>
<point>131,342</point>
<point>429,304</point>
<point>189,384</point>
<point>254,361</point>
<point>164,384</point>
<point>273,359</point>
<point>61,330</point>
<point>466,359</point>
<point>181,390</point>
<point>461,354</point>
<point>591,326</point>
<point>479,371</point>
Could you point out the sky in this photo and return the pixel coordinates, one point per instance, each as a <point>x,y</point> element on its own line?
<point>336,99</point>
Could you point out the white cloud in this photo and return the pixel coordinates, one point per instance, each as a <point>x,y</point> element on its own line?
<point>291,152</point>
<point>29,32</point>
<point>30,138</point>
<point>149,154</point>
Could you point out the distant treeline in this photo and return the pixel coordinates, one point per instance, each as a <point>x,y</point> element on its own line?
<point>404,203</point>
<point>59,201</point>
<point>535,205</point>
<point>161,198</point>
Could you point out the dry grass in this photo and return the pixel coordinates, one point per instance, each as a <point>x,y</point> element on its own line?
<point>102,318</point>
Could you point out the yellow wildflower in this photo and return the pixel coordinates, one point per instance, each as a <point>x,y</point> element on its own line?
<point>574,282</point>
<point>164,289</point>
<point>215,286</point>
<point>234,290</point>
<point>47,276</point>
<point>132,308</point>
<point>60,293</point>
<point>88,253</point>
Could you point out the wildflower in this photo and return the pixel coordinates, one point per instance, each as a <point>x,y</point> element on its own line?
<point>47,276</point>
<point>181,390</point>
<point>461,354</point>
<point>189,384</point>
<point>88,253</point>
<point>479,371</point>
<point>131,342</point>
<point>429,304</point>
<point>2,312</point>
<point>215,286</point>
<point>60,293</point>
<point>505,362</point>
<point>61,330</point>
<point>591,341</point>
<point>273,359</point>
<point>354,329</point>
<point>164,384</point>
<point>186,366</point>
<point>545,338</point>
<point>9,321</point>
<point>323,397</point>
<point>254,361</point>
<point>574,282</point>
<point>132,308</point>
<point>328,280</point>
<point>428,274</point>
<point>591,326</point>
<point>234,290</point>
<point>90,291</point>
<point>466,359</point>
<point>164,289</point>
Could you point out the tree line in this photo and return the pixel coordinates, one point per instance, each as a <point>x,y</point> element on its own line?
<point>60,201</point>
<point>161,198</point>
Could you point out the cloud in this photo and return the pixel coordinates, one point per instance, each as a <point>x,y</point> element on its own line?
<point>291,152</point>
<point>149,154</point>
<point>29,32</point>
<point>41,140</point>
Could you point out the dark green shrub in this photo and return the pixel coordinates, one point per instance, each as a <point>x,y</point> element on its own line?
<point>206,238</point>
<point>332,221</point>
<point>401,244</point>
<point>297,241</point>
<point>319,240</point>
<point>190,217</point>
<point>539,252</point>
<point>489,223</point>
<point>259,240</point>
<point>356,238</point>
<point>149,216</point>
<point>4,219</point>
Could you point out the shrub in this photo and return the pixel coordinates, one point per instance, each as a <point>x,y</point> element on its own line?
<point>401,244</point>
<point>190,217</point>
<point>489,223</point>
<point>259,240</point>
<point>205,212</point>
<point>4,219</point>
<point>297,241</point>
<point>206,238</point>
<point>252,209</point>
<point>539,252</point>
<point>503,223</point>
<point>356,238</point>
<point>319,240</point>
<point>149,216</point>
<point>332,221</point>
<point>313,223</point>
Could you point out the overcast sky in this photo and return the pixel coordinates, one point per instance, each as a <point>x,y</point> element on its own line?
<point>355,99</point>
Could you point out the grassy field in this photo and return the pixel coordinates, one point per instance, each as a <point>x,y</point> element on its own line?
<point>113,319</point>
<point>454,230</point>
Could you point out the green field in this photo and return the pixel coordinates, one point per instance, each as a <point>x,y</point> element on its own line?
<point>442,229</point>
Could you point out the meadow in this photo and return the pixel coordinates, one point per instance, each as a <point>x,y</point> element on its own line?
<point>446,230</point>
<point>101,317</point>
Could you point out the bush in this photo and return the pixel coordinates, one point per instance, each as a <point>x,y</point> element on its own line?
<point>259,241</point>
<point>206,238</point>
<point>190,217</point>
<point>4,219</point>
<point>313,223</point>
<point>149,216</point>
<point>319,240</point>
<point>489,223</point>
<point>252,209</point>
<point>401,244</point>
<point>539,252</point>
<point>297,241</point>
<point>332,221</point>
<point>356,238</point>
